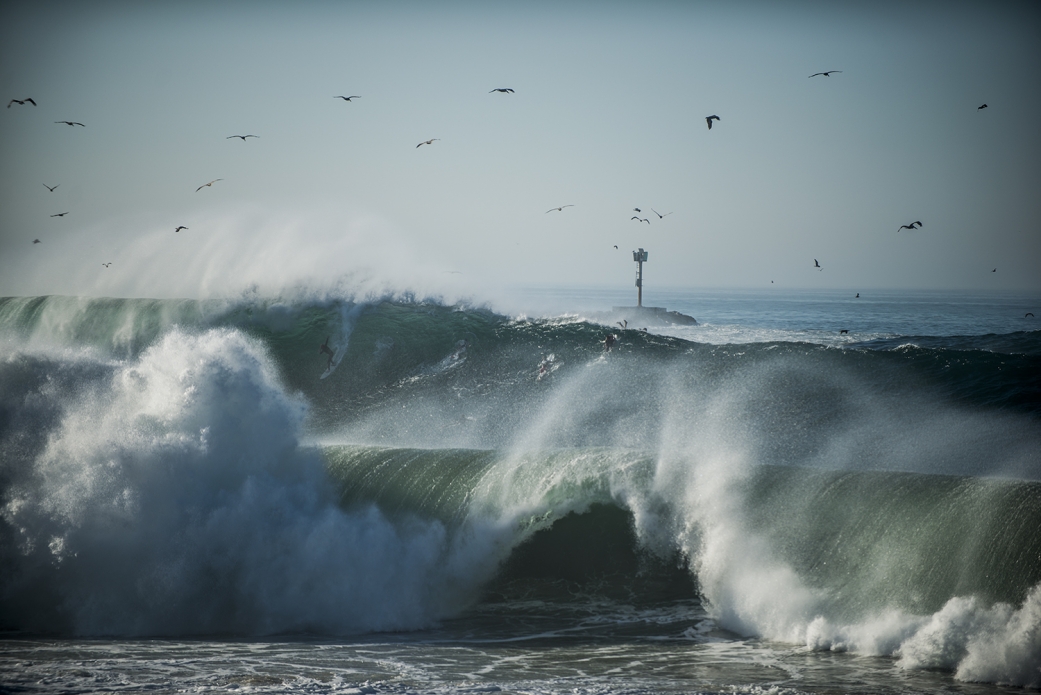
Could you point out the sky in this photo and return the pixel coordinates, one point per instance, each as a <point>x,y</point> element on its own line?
<point>607,114</point>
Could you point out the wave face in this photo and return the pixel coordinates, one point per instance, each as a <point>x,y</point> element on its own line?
<point>178,468</point>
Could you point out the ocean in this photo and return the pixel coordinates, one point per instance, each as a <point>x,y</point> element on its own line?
<point>807,492</point>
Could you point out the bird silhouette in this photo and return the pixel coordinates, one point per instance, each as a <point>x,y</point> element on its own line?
<point>50,188</point>
<point>60,214</point>
<point>817,265</point>
<point>72,123</point>
<point>207,184</point>
<point>505,90</point>
<point>641,219</point>
<point>616,246</point>
<point>660,216</point>
<point>709,120</point>
<point>980,108</point>
<point>560,209</point>
<point>106,264</point>
<point>21,102</point>
<point>994,271</point>
<point>910,226</point>
<point>1030,314</point>
<point>36,241</point>
<point>427,142</point>
<point>179,228</point>
<point>347,98</point>
<point>243,137</point>
<point>826,74</point>
<point>637,210</point>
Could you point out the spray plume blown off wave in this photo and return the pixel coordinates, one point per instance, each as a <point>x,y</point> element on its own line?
<point>179,468</point>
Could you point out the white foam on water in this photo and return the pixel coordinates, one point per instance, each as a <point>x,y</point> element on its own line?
<point>173,498</point>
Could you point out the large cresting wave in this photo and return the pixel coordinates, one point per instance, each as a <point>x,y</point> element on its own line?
<point>180,468</point>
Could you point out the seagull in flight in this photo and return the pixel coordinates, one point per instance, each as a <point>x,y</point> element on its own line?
<point>60,214</point>
<point>980,108</point>
<point>660,216</point>
<point>709,120</point>
<point>505,90</point>
<point>21,102</point>
<point>637,210</point>
<point>910,226</point>
<point>817,265</point>
<point>51,189</point>
<point>347,98</point>
<point>826,74</point>
<point>107,264</point>
<point>36,241</point>
<point>72,123</point>
<point>616,246</point>
<point>179,228</point>
<point>243,137</point>
<point>427,142</point>
<point>560,209</point>
<point>207,184</point>
<point>641,219</point>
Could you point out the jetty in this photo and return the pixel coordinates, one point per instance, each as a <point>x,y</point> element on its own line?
<point>641,316</point>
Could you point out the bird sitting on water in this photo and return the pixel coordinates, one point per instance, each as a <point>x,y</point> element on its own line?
<point>709,120</point>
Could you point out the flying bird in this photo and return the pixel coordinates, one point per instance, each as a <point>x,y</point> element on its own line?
<point>660,216</point>
<point>347,98</point>
<point>179,228</point>
<point>36,241</point>
<point>207,184</point>
<point>427,142</point>
<point>994,271</point>
<point>243,137</point>
<point>709,120</point>
<point>979,108</point>
<point>106,264</point>
<point>641,219</point>
<point>506,90</point>
<point>910,226</point>
<point>51,189</point>
<point>1030,314</point>
<point>21,102</point>
<point>560,209</point>
<point>816,264</point>
<point>616,246</point>
<point>60,214</point>
<point>637,210</point>
<point>72,123</point>
<point>826,74</point>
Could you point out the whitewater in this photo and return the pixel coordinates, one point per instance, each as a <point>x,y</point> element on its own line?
<point>807,492</point>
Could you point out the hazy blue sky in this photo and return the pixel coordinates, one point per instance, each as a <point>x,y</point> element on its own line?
<point>608,114</point>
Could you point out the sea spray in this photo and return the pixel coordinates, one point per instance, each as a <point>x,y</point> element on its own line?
<point>173,498</point>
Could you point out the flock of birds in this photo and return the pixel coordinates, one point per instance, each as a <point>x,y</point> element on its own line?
<point>503,90</point>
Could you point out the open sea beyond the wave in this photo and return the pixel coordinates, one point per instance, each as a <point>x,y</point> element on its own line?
<point>807,492</point>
